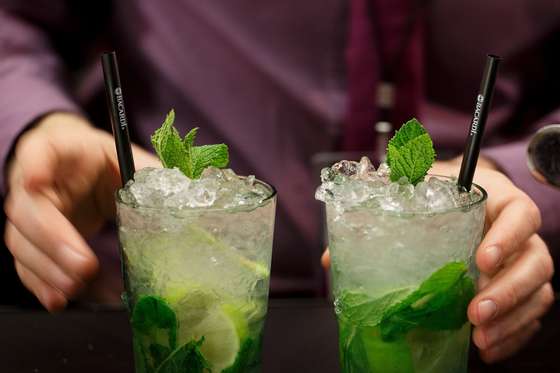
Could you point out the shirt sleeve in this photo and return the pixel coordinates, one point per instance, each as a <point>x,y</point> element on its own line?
<point>511,158</point>
<point>31,80</point>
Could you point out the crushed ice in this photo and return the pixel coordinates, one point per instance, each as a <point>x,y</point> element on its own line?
<point>347,184</point>
<point>170,188</point>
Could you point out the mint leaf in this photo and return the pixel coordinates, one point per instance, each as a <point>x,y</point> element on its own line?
<point>183,154</point>
<point>208,155</point>
<point>186,358</point>
<point>361,310</point>
<point>188,141</point>
<point>155,328</point>
<point>440,303</point>
<point>353,354</point>
<point>169,147</point>
<point>410,152</point>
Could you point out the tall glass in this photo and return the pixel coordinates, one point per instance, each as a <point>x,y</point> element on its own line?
<point>402,283</point>
<point>197,285</point>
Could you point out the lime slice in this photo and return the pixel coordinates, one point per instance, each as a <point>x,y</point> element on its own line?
<point>200,236</point>
<point>191,303</point>
<point>223,328</point>
<point>386,357</point>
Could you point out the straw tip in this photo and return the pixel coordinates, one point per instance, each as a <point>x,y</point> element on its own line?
<point>494,56</point>
<point>108,56</point>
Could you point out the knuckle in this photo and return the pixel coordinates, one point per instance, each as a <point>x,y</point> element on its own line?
<point>545,264</point>
<point>71,288</point>
<point>479,338</point>
<point>87,268</point>
<point>547,296</point>
<point>10,206</point>
<point>20,272</point>
<point>9,237</point>
<point>510,297</point>
<point>534,215</point>
<point>52,300</point>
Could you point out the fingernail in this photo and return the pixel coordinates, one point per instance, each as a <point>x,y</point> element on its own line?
<point>486,311</point>
<point>494,256</point>
<point>480,339</point>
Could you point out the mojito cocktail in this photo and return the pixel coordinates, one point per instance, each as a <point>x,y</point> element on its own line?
<point>402,268</point>
<point>197,253</point>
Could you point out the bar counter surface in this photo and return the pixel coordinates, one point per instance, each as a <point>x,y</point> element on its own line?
<point>300,337</point>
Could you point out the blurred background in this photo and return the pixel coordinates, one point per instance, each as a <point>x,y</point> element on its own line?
<point>285,83</point>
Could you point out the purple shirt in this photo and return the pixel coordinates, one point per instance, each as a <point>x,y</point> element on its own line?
<point>270,78</point>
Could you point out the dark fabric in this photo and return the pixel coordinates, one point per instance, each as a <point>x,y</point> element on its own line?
<point>385,44</point>
<point>270,79</point>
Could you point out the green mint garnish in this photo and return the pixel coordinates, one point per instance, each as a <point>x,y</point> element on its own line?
<point>186,358</point>
<point>363,350</point>
<point>183,154</point>
<point>155,330</point>
<point>155,340</point>
<point>361,310</point>
<point>439,303</point>
<point>410,152</point>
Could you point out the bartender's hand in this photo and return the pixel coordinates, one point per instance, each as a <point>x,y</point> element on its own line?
<point>61,182</point>
<point>515,265</point>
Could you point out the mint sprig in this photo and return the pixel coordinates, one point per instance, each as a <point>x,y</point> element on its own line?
<point>410,152</point>
<point>183,154</point>
<point>439,303</point>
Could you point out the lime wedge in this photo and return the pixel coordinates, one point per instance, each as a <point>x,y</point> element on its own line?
<point>223,328</point>
<point>202,237</point>
<point>192,305</point>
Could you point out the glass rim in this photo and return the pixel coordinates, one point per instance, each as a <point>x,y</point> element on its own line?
<point>480,191</point>
<point>198,210</point>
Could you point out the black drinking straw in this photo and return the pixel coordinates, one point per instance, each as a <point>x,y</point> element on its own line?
<point>115,105</point>
<point>476,130</point>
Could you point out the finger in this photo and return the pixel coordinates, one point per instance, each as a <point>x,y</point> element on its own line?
<point>516,222</point>
<point>41,265</point>
<point>483,281</point>
<point>44,226</point>
<point>513,284</point>
<point>511,345</point>
<point>143,158</point>
<point>36,159</point>
<point>326,259</point>
<point>105,194</point>
<point>536,306</point>
<point>50,297</point>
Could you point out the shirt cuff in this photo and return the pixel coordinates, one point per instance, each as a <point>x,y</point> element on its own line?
<point>26,100</point>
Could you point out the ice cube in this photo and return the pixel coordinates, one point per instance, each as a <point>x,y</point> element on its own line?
<point>345,168</point>
<point>366,171</point>
<point>398,197</point>
<point>170,188</point>
<point>383,171</point>
<point>440,194</point>
<point>327,174</point>
<point>154,186</point>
